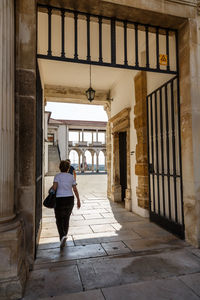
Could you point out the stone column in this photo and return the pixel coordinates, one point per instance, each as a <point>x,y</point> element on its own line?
<point>79,136</point>
<point>7,110</point>
<point>116,187</point>
<point>67,143</point>
<point>97,135</point>
<point>79,161</point>
<point>13,269</point>
<point>105,168</point>
<point>92,161</point>
<point>82,135</point>
<point>189,57</point>
<point>92,137</point>
<point>140,123</point>
<point>97,166</point>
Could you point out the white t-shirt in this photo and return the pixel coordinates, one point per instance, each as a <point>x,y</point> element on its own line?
<point>65,182</point>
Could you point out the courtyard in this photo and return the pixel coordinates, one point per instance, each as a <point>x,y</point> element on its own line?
<point>111,254</point>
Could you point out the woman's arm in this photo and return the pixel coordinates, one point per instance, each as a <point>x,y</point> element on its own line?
<point>55,186</point>
<point>77,196</point>
<point>74,173</point>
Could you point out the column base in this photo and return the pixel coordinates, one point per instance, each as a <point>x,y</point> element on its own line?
<point>116,195</point>
<point>128,203</point>
<point>13,267</point>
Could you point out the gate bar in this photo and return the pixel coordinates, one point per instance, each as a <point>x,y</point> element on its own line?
<point>157,48</point>
<point>147,46</point>
<point>167,49</point>
<point>49,30</point>
<point>174,148</point>
<point>125,43</point>
<point>75,35</point>
<point>167,146</point>
<point>157,158</point>
<point>63,33</point>
<point>88,38</point>
<point>162,151</point>
<point>152,153</point>
<point>100,40</point>
<point>136,45</point>
<point>113,41</point>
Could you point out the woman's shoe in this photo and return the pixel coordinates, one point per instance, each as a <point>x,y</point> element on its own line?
<point>62,242</point>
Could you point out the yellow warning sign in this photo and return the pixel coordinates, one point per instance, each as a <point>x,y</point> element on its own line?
<point>163,59</point>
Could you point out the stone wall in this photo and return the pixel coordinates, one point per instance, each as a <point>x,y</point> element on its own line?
<point>189,49</point>
<point>140,123</point>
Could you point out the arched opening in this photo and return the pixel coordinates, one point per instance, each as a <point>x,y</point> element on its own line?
<point>102,161</point>
<point>74,158</point>
<point>88,161</point>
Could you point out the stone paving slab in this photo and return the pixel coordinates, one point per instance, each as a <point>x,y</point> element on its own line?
<point>93,222</point>
<point>115,248</point>
<point>79,230</point>
<point>154,243</point>
<point>52,282</point>
<point>167,289</point>
<point>102,228</point>
<point>104,237</point>
<point>70,253</point>
<point>91,216</point>
<point>193,282</point>
<point>88,295</point>
<point>113,271</point>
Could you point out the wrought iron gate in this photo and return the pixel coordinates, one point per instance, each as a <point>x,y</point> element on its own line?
<point>39,150</point>
<point>164,157</point>
<point>80,37</point>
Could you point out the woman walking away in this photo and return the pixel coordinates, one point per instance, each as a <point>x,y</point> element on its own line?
<point>63,184</point>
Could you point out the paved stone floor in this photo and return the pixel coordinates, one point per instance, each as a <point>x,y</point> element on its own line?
<point>111,254</point>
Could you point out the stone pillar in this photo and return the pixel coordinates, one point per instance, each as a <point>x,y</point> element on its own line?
<point>67,143</point>
<point>79,161</point>
<point>97,135</point>
<point>82,135</point>
<point>7,111</point>
<point>92,137</point>
<point>13,271</point>
<point>79,136</point>
<point>92,161</point>
<point>105,167</point>
<point>25,121</point>
<point>189,57</point>
<point>140,123</point>
<point>97,162</point>
<point>116,187</point>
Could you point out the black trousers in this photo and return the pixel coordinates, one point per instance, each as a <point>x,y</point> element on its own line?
<point>63,210</point>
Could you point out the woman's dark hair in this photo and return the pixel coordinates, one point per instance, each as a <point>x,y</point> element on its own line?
<point>64,166</point>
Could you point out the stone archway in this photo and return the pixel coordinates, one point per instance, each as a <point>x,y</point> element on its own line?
<point>121,123</point>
